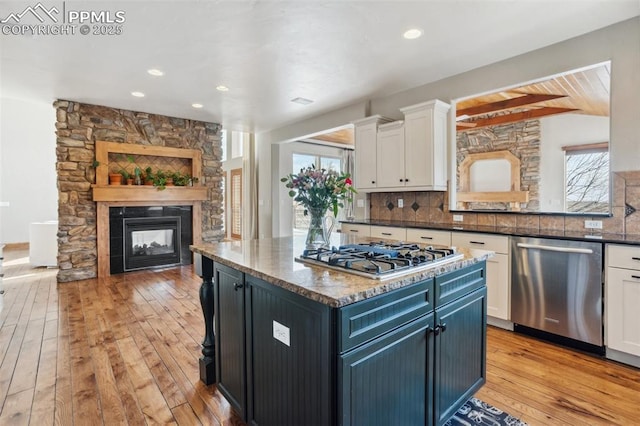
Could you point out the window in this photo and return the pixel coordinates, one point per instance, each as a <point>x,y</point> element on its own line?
<point>301,161</point>
<point>587,178</point>
<point>236,204</point>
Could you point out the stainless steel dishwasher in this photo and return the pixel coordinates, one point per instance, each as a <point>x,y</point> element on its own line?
<point>556,287</point>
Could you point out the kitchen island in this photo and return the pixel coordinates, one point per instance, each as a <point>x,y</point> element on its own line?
<point>297,344</point>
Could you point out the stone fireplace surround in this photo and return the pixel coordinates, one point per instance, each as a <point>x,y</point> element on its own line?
<point>78,127</point>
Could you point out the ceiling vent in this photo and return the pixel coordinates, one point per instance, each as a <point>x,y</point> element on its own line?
<point>302,101</point>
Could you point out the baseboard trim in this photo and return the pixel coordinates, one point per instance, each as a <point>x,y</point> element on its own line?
<point>16,246</point>
<point>500,323</point>
<point>623,357</point>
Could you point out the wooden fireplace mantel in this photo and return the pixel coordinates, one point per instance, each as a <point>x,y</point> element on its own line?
<point>106,195</point>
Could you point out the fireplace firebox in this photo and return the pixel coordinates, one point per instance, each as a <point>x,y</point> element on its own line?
<point>151,241</point>
<point>147,237</point>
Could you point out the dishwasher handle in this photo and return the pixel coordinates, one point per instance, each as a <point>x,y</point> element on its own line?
<point>553,248</point>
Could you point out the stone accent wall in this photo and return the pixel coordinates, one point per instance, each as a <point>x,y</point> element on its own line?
<point>78,126</point>
<point>522,139</point>
<point>433,207</point>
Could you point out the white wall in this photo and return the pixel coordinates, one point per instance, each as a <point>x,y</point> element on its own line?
<point>556,132</point>
<point>27,167</point>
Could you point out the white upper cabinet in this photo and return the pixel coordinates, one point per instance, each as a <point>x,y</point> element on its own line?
<point>405,155</point>
<point>425,145</point>
<point>391,155</point>
<point>366,133</point>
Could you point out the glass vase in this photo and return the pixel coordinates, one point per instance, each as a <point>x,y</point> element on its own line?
<point>320,227</point>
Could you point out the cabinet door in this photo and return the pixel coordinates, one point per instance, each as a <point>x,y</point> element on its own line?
<point>383,382</point>
<point>230,332</point>
<point>498,288</point>
<point>291,364</point>
<point>418,142</point>
<point>365,156</point>
<point>460,353</point>
<point>623,315</point>
<point>390,156</point>
<point>498,276</point>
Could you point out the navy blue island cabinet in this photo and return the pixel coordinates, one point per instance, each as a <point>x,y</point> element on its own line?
<point>412,356</point>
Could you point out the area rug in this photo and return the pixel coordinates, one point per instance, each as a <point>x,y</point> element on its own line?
<point>476,412</point>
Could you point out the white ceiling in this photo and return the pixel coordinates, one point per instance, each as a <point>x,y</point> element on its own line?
<point>269,52</point>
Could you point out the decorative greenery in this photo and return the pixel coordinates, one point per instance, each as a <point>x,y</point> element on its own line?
<point>320,188</point>
<point>180,179</point>
<point>148,174</point>
<point>137,173</point>
<point>125,174</point>
<point>160,180</point>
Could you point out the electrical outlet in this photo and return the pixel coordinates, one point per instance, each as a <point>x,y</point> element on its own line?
<point>400,203</point>
<point>281,333</point>
<point>360,203</point>
<point>457,218</point>
<point>593,224</point>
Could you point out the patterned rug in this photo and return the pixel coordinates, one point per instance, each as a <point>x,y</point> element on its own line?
<point>476,412</point>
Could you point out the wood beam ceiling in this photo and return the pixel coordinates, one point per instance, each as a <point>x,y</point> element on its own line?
<point>526,99</point>
<point>512,118</point>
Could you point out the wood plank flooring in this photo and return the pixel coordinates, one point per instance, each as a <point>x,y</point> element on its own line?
<point>124,350</point>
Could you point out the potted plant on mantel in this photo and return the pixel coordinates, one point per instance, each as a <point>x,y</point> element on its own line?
<point>148,176</point>
<point>115,179</point>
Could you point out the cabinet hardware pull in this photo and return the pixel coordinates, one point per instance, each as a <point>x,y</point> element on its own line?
<point>373,181</point>
<point>353,230</point>
<point>401,180</point>
<point>477,242</point>
<point>635,258</point>
<point>439,328</point>
<point>427,238</point>
<point>406,180</point>
<point>237,286</point>
<point>636,277</point>
<point>386,233</point>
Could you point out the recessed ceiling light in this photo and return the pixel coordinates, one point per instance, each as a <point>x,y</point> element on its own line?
<point>412,33</point>
<point>155,72</point>
<point>137,94</point>
<point>302,101</point>
<point>222,88</point>
<point>197,105</point>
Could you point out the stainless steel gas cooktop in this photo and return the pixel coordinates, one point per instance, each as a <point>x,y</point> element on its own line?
<point>380,260</point>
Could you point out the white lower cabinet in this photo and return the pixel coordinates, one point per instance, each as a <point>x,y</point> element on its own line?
<point>429,236</point>
<point>389,233</point>
<point>355,229</point>
<point>498,281</point>
<point>622,299</point>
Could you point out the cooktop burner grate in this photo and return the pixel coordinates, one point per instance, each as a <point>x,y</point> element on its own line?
<point>380,260</point>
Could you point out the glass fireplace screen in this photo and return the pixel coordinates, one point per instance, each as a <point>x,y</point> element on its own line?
<point>151,241</point>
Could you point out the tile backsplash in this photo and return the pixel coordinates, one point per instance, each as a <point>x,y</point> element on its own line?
<point>433,207</point>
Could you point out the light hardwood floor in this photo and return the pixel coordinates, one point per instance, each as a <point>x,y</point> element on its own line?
<point>124,351</point>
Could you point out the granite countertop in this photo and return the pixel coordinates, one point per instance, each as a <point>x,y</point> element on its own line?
<point>272,260</point>
<point>587,235</point>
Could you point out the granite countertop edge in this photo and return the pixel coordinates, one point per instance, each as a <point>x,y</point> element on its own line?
<point>586,235</point>
<point>348,288</point>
